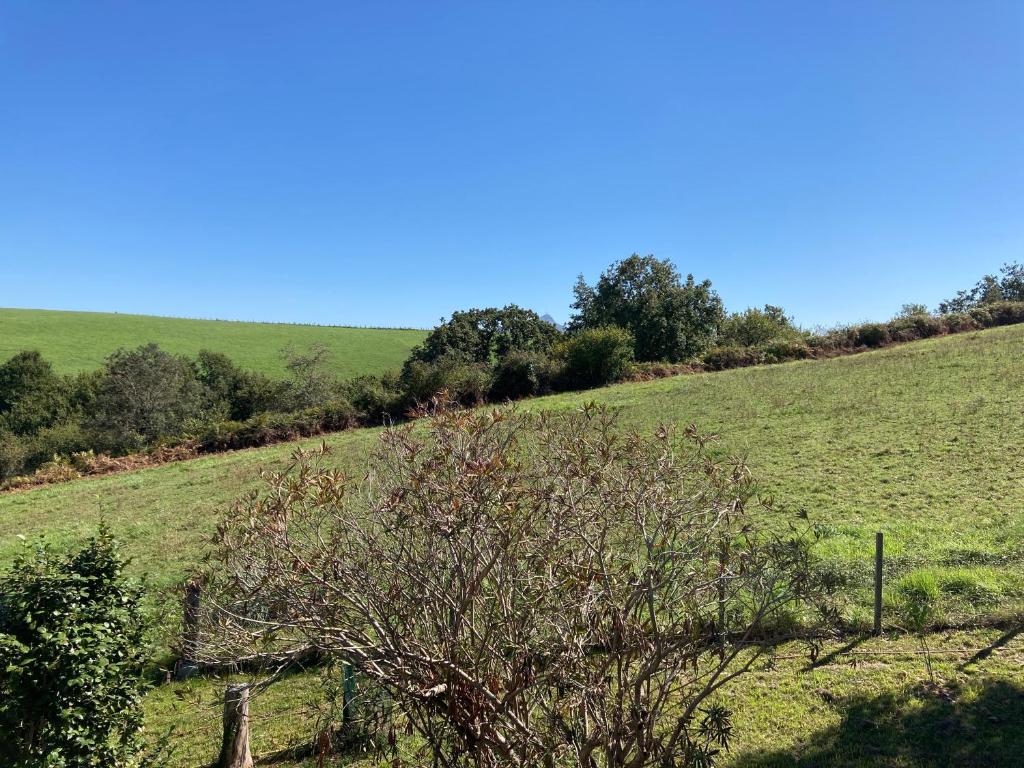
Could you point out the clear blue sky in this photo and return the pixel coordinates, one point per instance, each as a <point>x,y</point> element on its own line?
<point>387,163</point>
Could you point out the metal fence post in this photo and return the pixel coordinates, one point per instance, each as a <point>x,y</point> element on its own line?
<point>879,543</point>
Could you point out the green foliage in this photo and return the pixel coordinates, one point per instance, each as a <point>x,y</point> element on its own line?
<point>521,374</point>
<point>234,392</point>
<point>310,383</point>
<point>71,651</point>
<point>145,394</point>
<point>758,327</point>
<point>669,319</point>
<point>32,396</point>
<point>487,336</point>
<point>918,595</point>
<point>595,357</point>
<point>375,398</point>
<point>465,383</point>
<point>1007,286</point>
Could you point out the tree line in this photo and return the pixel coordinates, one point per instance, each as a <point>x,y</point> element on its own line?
<point>640,319</point>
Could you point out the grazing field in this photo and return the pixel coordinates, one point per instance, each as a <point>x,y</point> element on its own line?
<point>79,341</point>
<point>921,441</point>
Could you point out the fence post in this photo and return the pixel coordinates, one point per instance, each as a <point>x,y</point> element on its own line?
<point>879,543</point>
<point>188,665</point>
<point>348,694</point>
<point>234,749</point>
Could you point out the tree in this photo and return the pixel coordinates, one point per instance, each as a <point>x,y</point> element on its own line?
<point>71,654</point>
<point>988,290</point>
<point>239,393</point>
<point>669,319</point>
<point>755,327</point>
<point>310,383</point>
<point>32,396</point>
<point>145,394</point>
<point>526,590</point>
<point>487,336</point>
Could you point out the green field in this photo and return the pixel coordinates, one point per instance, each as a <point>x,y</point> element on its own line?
<point>79,341</point>
<point>921,441</point>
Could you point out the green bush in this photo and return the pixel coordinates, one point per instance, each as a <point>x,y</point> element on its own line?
<point>521,374</point>
<point>13,453</point>
<point>375,398</point>
<point>723,358</point>
<point>782,351</point>
<point>267,428</point>
<point>465,383</point>
<point>872,335</point>
<point>916,326</point>
<point>998,313</point>
<point>596,357</point>
<point>71,654</point>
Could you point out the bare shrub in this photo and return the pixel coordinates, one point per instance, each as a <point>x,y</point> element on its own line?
<point>526,590</point>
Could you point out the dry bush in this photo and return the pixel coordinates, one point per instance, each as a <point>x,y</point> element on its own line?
<point>526,590</point>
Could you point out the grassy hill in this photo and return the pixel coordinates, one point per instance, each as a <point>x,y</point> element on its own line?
<point>79,341</point>
<point>921,441</point>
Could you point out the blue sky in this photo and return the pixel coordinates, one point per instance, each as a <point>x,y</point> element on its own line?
<point>387,163</point>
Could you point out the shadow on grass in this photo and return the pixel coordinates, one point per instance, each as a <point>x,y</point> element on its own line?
<point>917,728</point>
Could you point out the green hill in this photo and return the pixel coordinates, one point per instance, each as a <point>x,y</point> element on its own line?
<point>79,341</point>
<point>921,441</point>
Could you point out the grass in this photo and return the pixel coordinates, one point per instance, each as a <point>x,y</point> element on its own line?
<point>921,441</point>
<point>860,705</point>
<point>79,341</point>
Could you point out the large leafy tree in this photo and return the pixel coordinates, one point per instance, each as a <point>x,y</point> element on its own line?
<point>487,336</point>
<point>670,319</point>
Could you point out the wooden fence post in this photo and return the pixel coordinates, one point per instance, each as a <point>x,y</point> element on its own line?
<point>879,543</point>
<point>188,665</point>
<point>234,749</point>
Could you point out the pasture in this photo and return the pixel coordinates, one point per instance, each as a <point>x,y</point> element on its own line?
<point>920,441</point>
<point>80,341</point>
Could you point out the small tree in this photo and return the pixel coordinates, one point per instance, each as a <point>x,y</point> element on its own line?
<point>145,394</point>
<point>670,319</point>
<point>310,383</point>
<point>32,396</point>
<point>755,327</point>
<point>1009,286</point>
<point>527,590</point>
<point>71,652</point>
<point>487,336</point>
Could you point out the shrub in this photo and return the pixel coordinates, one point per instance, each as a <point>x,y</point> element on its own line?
<point>782,351</point>
<point>916,326</point>
<point>521,374</point>
<point>465,383</point>
<point>723,358</point>
<point>871,335</point>
<point>375,398</point>
<point>596,357</point>
<point>998,313</point>
<point>71,651</point>
<point>757,327</point>
<point>13,453</point>
<point>521,587</point>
